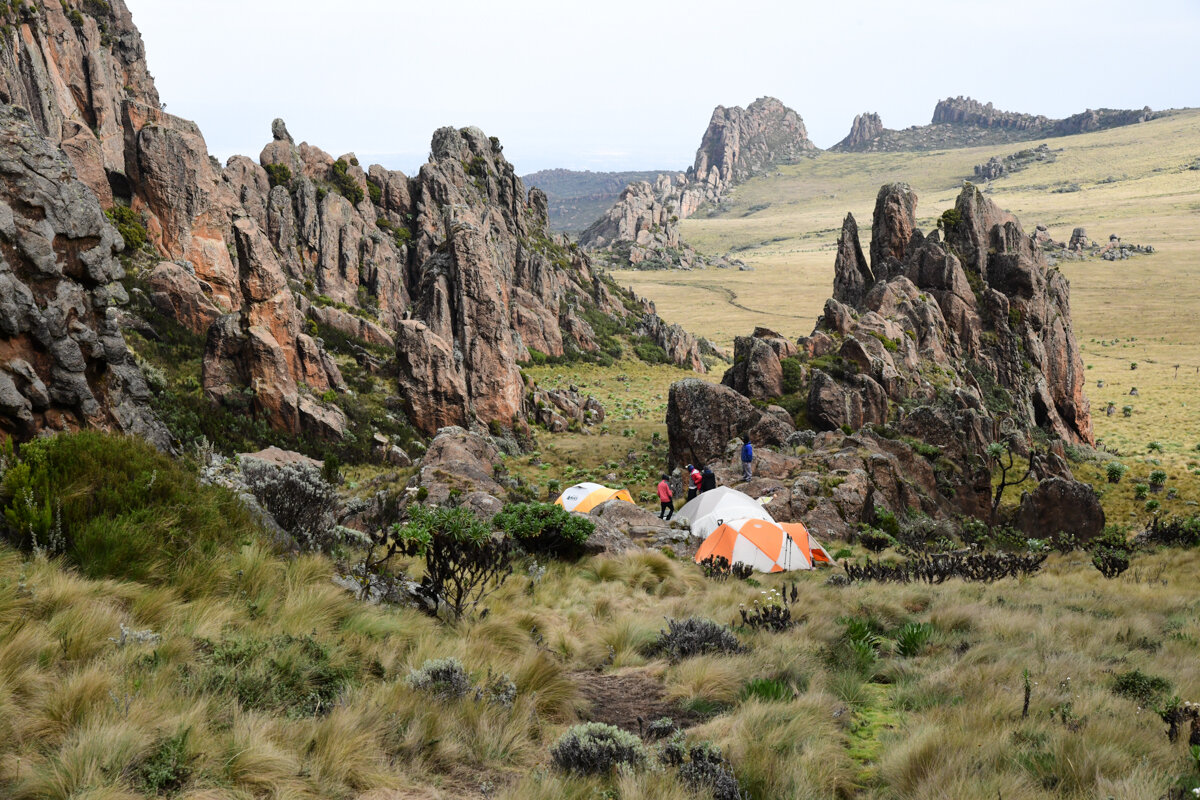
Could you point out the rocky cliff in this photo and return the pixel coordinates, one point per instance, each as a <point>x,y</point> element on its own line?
<point>454,268</point>
<point>933,346</point>
<point>642,228</point>
<point>965,122</point>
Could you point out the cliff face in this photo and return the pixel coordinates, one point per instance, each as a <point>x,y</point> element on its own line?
<point>455,267</point>
<point>63,361</point>
<point>642,227</point>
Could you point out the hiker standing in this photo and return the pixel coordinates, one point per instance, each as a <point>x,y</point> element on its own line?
<point>666,499</point>
<point>707,479</point>
<point>747,459</point>
<point>693,482</point>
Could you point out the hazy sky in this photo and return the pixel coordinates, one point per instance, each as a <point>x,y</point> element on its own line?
<point>630,84</point>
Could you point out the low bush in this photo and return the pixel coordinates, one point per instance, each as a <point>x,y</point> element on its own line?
<point>299,498</point>
<point>940,567</point>
<point>444,678</point>
<point>695,636</point>
<point>707,771</point>
<point>718,568</point>
<point>1171,532</point>
<point>1111,562</point>
<point>278,174</point>
<point>545,528</point>
<point>344,184</point>
<point>912,638</point>
<point>875,540</point>
<point>117,507</point>
<point>1146,690</point>
<point>129,225</point>
<point>168,766</point>
<point>596,748</point>
<point>1114,471</point>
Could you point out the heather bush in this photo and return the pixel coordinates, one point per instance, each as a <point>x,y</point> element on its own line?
<point>300,500</point>
<point>693,637</point>
<point>595,748</point>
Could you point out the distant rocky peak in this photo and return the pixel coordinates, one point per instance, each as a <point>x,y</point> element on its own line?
<point>742,142</point>
<point>968,111</point>
<point>866,127</point>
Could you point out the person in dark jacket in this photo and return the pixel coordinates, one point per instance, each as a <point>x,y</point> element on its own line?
<point>707,479</point>
<point>666,498</point>
<point>693,481</point>
<point>747,459</point>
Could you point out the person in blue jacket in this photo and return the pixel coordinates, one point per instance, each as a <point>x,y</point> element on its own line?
<point>747,459</point>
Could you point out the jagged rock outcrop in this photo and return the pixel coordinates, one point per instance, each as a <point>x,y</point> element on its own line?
<point>454,268</point>
<point>64,364</point>
<point>967,111</point>
<point>741,143</point>
<point>865,129</point>
<point>681,347</point>
<point>954,343</point>
<point>642,228</point>
<point>964,122</point>
<point>997,167</point>
<point>81,68</point>
<point>558,410</point>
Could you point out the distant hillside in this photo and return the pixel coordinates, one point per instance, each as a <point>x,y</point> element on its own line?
<point>577,198</point>
<point>965,122</point>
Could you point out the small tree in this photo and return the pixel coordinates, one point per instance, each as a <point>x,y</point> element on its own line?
<point>464,562</point>
<point>1002,458</point>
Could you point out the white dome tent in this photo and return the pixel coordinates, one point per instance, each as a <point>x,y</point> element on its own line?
<point>708,511</point>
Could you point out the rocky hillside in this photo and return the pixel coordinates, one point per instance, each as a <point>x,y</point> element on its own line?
<point>454,271</point>
<point>641,228</point>
<point>577,198</point>
<point>965,122</point>
<point>946,343</point>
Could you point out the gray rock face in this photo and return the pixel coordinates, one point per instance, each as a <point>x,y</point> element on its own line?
<point>865,128</point>
<point>642,227</point>
<point>1061,505</point>
<point>702,417</point>
<point>66,365</point>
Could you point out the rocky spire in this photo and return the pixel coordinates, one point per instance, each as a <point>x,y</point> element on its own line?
<point>863,130</point>
<point>892,227</point>
<point>852,276</point>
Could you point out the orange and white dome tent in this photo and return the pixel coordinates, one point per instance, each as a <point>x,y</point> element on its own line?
<point>764,546</point>
<point>583,497</point>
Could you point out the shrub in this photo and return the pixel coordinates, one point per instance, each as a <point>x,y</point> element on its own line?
<point>1158,479</point>
<point>1140,491</point>
<point>297,675</point>
<point>344,184</point>
<point>649,351</point>
<point>1144,689</point>
<point>1115,470</point>
<point>464,563</point>
<point>278,174</point>
<point>117,503</point>
<point>875,540</point>
<point>1174,532</point>
<point>167,767</point>
<point>130,226</point>
<point>793,375</point>
<point>695,636</point>
<point>301,501</point>
<point>768,690</point>
<point>912,638</point>
<point>545,528</point>
<point>595,748</point>
<point>444,678</point>
<point>708,771</point>
<point>1154,447</point>
<point>1110,561</point>
<point>1152,506</point>
<point>1127,411</point>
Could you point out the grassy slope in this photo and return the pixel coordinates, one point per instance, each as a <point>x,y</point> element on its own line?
<point>83,717</point>
<point>1148,303</point>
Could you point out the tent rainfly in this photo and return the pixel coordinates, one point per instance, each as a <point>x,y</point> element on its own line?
<point>707,511</point>
<point>764,546</point>
<point>583,497</point>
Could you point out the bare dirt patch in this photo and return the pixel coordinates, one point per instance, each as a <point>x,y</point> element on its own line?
<point>620,698</point>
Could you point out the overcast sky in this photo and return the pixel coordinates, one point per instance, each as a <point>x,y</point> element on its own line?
<point>630,84</point>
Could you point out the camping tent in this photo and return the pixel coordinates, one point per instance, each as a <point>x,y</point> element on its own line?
<point>765,546</point>
<point>583,497</point>
<point>707,511</point>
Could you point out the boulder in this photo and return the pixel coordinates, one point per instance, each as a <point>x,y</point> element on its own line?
<point>702,417</point>
<point>634,521</point>
<point>459,459</point>
<point>1061,505</point>
<point>606,538</point>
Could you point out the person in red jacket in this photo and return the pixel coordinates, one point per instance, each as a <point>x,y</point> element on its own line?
<point>667,499</point>
<point>693,480</point>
